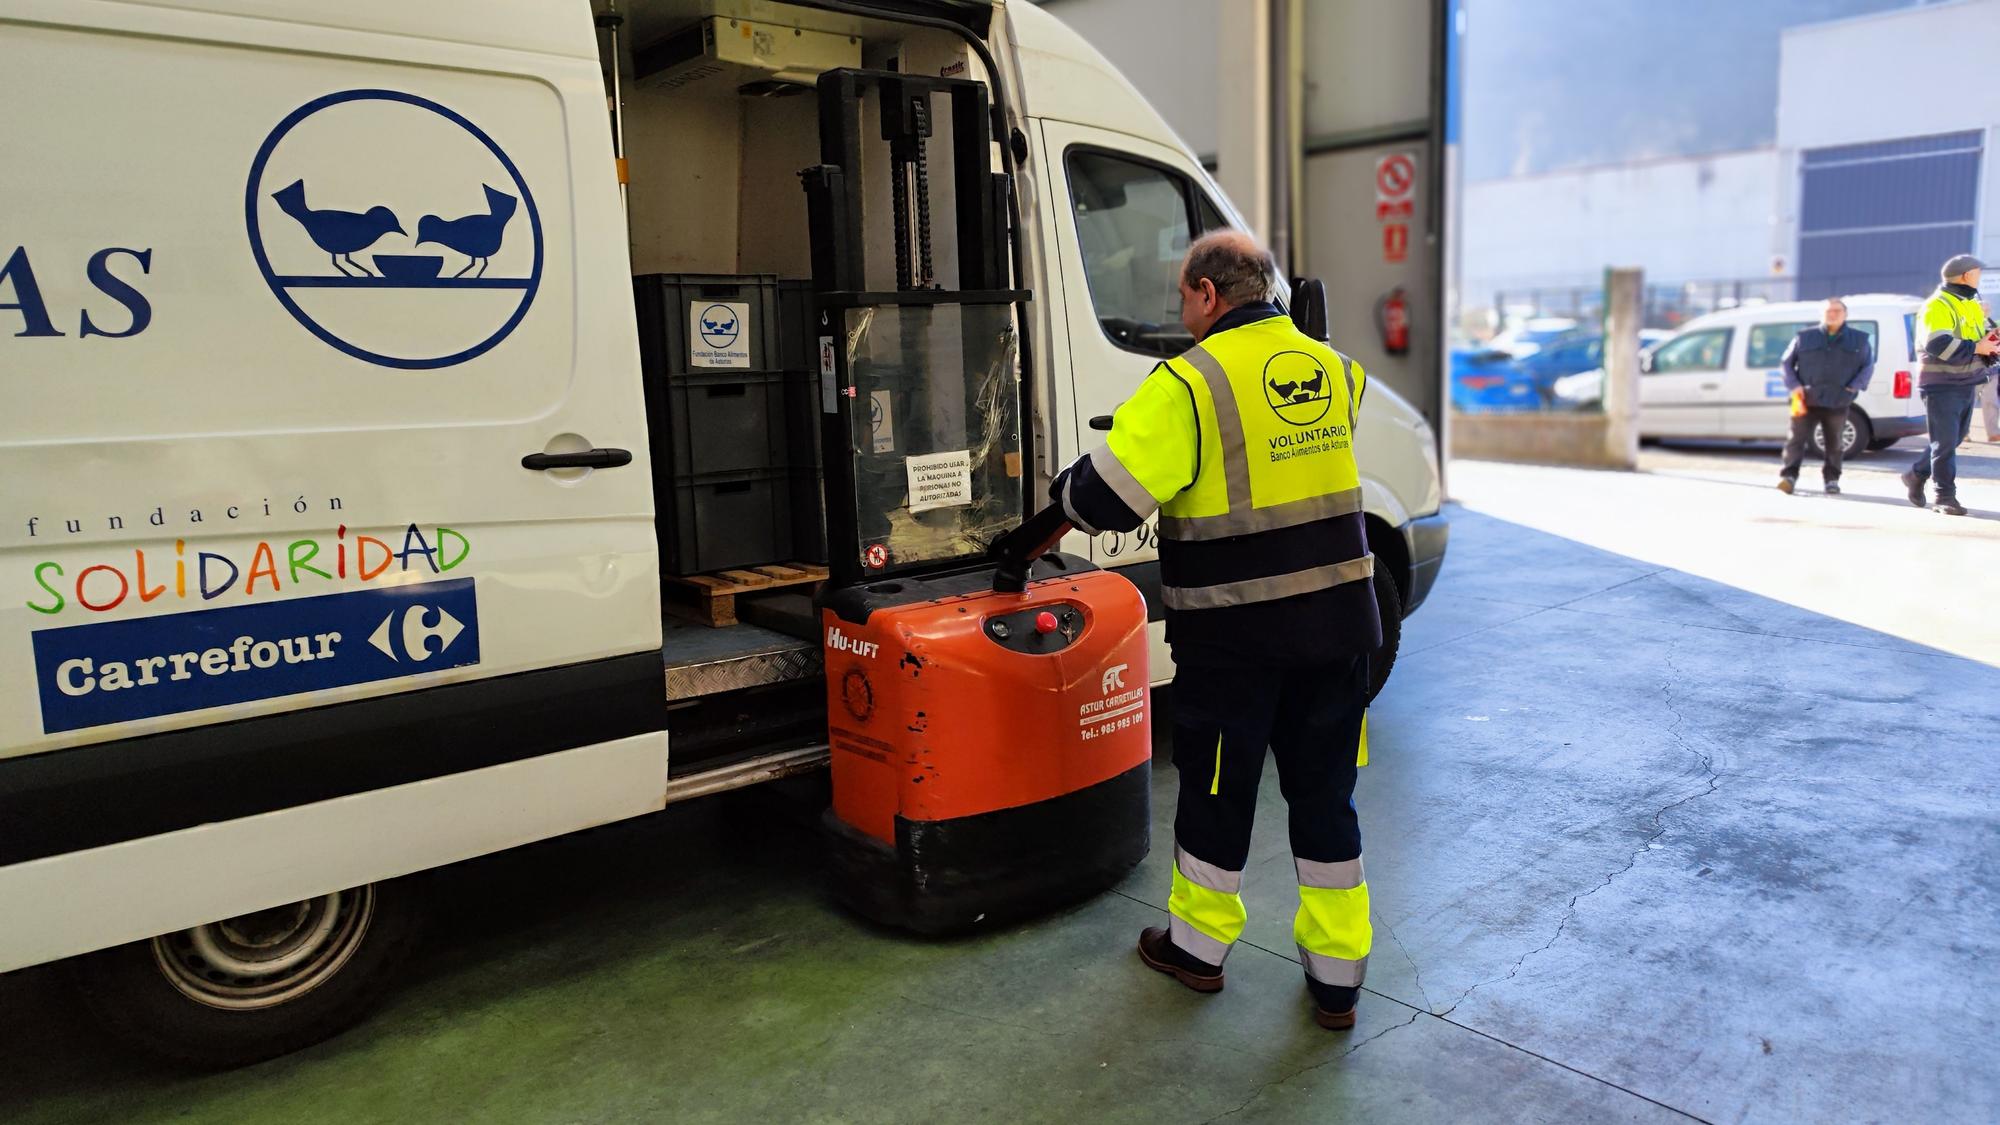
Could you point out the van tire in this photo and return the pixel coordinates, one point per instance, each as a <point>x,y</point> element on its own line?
<point>1863,431</point>
<point>350,945</point>
<point>1389,606</point>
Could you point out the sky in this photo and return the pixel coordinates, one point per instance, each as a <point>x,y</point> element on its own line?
<point>1583,82</point>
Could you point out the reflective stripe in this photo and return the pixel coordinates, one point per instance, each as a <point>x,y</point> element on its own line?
<point>1333,933</point>
<point>1228,427</point>
<point>1215,786</point>
<point>1213,914</point>
<point>1361,754</point>
<point>1353,404</point>
<point>1249,521</point>
<point>1069,508</point>
<point>1192,941</point>
<point>1114,473</point>
<point>1252,590</point>
<point>1339,875</point>
<point>1336,971</point>
<point>1204,874</point>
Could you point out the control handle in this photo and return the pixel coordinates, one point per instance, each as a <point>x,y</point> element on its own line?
<point>1018,549</point>
<point>1101,422</point>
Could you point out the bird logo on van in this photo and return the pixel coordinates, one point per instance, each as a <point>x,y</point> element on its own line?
<point>339,233</point>
<point>478,237</point>
<point>1297,388</point>
<point>402,291</point>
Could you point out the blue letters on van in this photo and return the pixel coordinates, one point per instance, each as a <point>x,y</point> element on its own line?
<point>34,310</point>
<point>27,295</point>
<point>116,289</point>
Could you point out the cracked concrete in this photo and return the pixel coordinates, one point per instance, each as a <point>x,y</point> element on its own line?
<point>1669,850</point>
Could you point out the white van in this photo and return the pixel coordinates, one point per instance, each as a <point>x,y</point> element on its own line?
<point>330,531</point>
<point>1719,376</point>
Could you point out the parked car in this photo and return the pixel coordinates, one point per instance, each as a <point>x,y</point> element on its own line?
<point>1574,353</point>
<point>1490,378</point>
<point>1718,377</point>
<point>1487,380</point>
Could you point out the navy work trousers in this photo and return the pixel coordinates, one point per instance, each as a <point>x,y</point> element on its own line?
<point>1948,409</point>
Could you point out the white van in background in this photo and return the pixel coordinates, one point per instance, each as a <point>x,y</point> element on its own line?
<point>1718,377</point>
<point>329,544</point>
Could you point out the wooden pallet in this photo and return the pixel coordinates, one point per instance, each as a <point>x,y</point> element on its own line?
<point>711,598</point>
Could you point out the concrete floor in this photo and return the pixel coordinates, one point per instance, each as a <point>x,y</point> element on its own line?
<point>1644,845</point>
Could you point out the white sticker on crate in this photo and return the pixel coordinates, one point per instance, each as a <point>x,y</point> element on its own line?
<point>940,480</point>
<point>718,333</point>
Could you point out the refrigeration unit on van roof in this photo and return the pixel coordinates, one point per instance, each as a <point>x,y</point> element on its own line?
<point>720,54</point>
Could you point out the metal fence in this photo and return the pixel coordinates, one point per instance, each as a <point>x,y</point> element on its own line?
<point>1671,304</point>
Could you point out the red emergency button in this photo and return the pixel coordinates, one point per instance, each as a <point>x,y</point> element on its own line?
<point>1045,622</point>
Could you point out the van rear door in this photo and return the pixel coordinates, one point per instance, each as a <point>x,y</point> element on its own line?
<point>293,302</point>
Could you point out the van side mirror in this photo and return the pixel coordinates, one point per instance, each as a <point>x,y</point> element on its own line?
<point>1309,308</point>
<point>1645,361</point>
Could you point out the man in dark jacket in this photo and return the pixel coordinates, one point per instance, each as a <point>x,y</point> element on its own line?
<point>1829,364</point>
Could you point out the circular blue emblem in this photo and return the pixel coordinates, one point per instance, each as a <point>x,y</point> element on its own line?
<point>719,326</point>
<point>394,229</point>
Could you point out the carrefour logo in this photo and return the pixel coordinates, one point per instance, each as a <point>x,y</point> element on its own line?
<point>394,229</point>
<point>117,671</point>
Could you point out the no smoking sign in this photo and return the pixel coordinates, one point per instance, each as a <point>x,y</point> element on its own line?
<point>1395,202</point>
<point>1395,175</point>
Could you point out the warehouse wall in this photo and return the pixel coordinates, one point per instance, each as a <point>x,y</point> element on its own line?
<point>1685,219</point>
<point>1905,96</point>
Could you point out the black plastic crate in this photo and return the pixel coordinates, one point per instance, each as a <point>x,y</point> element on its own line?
<point>670,305</point>
<point>722,521</point>
<point>725,422</point>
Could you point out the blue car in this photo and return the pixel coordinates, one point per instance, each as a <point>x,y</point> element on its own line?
<point>1496,378</point>
<point>1488,381</point>
<point>1566,356</point>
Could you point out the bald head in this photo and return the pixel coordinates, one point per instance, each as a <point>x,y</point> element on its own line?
<point>1224,269</point>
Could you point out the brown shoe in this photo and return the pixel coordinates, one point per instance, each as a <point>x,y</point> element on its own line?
<point>1333,1021</point>
<point>1160,955</point>
<point>1785,485</point>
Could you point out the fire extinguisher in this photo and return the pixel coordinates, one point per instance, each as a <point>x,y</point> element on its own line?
<point>1392,320</point>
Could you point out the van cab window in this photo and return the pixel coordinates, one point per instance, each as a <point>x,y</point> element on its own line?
<point>1211,216</point>
<point>1133,224</point>
<point>1695,351</point>
<point>1769,341</point>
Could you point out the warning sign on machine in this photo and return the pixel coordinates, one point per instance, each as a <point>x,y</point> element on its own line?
<point>940,480</point>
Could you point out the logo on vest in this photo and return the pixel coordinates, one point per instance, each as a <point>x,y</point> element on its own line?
<point>1299,390</point>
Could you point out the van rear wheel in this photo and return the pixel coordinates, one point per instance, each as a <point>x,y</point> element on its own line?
<point>1855,437</point>
<point>256,986</point>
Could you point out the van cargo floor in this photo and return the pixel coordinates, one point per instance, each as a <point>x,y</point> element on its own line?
<point>704,661</point>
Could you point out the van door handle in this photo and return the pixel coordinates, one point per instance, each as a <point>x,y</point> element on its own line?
<point>587,459</point>
<point>1711,386</point>
<point>1101,422</point>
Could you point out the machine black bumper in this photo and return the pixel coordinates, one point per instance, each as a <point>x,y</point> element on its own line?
<point>946,876</point>
<point>1428,536</point>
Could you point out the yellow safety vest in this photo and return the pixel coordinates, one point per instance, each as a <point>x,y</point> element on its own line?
<point>1268,446</point>
<point>1963,318</point>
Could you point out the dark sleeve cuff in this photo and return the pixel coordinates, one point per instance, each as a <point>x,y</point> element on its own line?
<point>1091,504</point>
